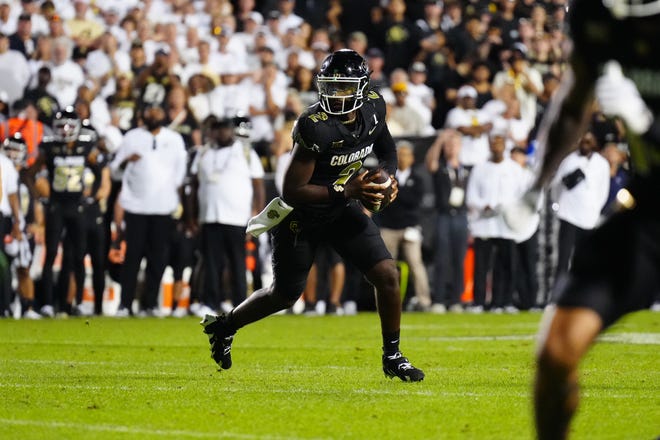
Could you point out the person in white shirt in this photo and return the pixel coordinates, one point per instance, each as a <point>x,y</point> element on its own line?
<point>14,70</point>
<point>66,75</point>
<point>474,126</point>
<point>525,80</point>
<point>153,161</point>
<point>288,20</point>
<point>267,99</point>
<point>582,183</point>
<point>492,185</point>
<point>229,177</point>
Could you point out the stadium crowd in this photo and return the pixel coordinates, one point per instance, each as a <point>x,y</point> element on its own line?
<point>155,128</point>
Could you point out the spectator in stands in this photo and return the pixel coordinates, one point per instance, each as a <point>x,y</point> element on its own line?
<point>230,190</point>
<point>481,82</point>
<point>39,22</point>
<point>22,40</point>
<point>105,62</point>
<point>155,82</point>
<point>46,104</point>
<point>399,40</point>
<point>14,71</point>
<point>473,125</point>
<point>181,119</point>
<point>152,159</point>
<point>492,185</point>
<point>582,182</point>
<point>7,17</point>
<point>66,75</point>
<point>400,223</point>
<point>287,18</point>
<point>419,91</point>
<point>450,179</point>
<point>358,42</point>
<point>376,62</point>
<point>267,99</point>
<point>123,103</point>
<point>526,82</point>
<point>24,120</point>
<point>430,23</point>
<point>83,30</point>
<point>403,118</point>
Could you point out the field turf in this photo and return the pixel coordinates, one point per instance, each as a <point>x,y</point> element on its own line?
<point>297,377</point>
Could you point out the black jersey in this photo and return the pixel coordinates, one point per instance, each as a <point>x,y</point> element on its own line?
<point>66,165</point>
<point>340,151</point>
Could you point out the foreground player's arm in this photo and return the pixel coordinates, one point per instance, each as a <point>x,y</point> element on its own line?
<point>298,190</point>
<point>566,119</point>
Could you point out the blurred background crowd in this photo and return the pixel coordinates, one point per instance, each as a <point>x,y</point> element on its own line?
<point>466,84</point>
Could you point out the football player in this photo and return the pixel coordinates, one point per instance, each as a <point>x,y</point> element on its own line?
<point>65,155</point>
<point>615,59</point>
<point>97,188</point>
<point>324,184</point>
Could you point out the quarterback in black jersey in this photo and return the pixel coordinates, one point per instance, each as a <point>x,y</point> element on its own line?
<point>616,60</point>
<point>65,156</point>
<point>324,184</point>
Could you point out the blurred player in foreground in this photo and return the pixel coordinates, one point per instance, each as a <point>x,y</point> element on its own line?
<point>616,59</point>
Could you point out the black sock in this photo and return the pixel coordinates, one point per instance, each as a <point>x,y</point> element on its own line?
<point>391,342</point>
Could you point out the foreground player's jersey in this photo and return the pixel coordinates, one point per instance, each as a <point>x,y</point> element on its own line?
<point>340,151</point>
<point>66,165</point>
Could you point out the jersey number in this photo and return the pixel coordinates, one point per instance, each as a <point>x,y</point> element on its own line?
<point>320,116</point>
<point>68,179</point>
<point>346,173</point>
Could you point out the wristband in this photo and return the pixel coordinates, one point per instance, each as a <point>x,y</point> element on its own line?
<point>336,192</point>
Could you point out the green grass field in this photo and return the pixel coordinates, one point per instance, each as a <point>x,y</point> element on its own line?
<point>298,377</point>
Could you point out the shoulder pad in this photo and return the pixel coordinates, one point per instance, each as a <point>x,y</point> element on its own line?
<point>309,129</point>
<point>376,99</point>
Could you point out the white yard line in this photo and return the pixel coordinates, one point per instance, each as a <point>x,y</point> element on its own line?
<point>139,431</point>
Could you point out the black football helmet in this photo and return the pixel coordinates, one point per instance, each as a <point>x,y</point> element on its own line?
<point>342,82</point>
<point>15,149</point>
<point>633,8</point>
<point>67,124</point>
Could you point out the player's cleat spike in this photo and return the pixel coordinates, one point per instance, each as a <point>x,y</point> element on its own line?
<point>398,365</point>
<point>220,338</point>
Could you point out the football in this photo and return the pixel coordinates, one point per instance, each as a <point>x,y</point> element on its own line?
<point>379,176</point>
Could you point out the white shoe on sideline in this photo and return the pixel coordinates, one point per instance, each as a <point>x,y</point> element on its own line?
<point>438,309</point>
<point>455,308</point>
<point>226,306</point>
<point>204,310</point>
<point>122,312</point>
<point>180,312</point>
<point>31,314</point>
<point>350,308</point>
<point>477,310</point>
<point>47,311</point>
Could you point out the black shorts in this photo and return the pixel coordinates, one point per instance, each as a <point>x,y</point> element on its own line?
<point>352,234</point>
<point>615,270</point>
